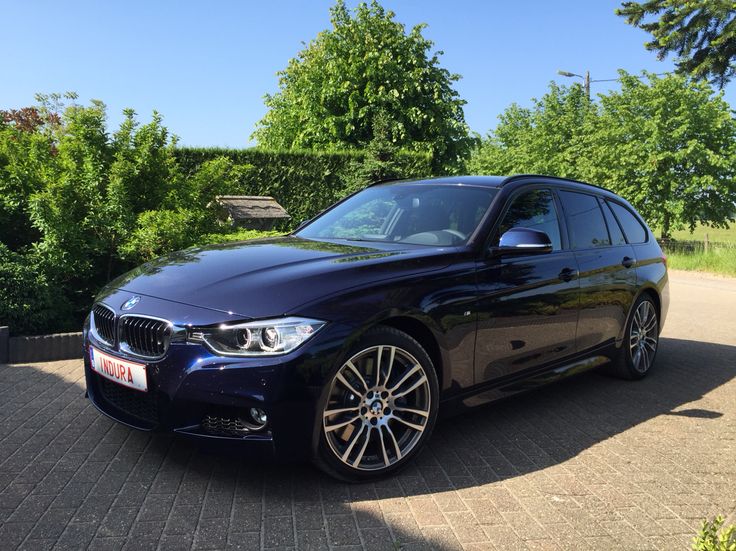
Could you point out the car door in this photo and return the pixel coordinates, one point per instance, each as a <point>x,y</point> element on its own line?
<point>607,268</point>
<point>527,305</point>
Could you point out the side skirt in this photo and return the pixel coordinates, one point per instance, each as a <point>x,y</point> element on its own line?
<point>506,387</point>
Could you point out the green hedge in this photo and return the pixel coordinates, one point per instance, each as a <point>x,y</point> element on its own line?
<point>303,182</point>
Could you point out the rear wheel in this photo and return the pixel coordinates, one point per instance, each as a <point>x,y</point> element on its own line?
<point>380,407</point>
<point>641,342</point>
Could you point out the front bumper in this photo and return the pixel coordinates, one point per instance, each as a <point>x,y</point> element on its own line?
<point>190,387</point>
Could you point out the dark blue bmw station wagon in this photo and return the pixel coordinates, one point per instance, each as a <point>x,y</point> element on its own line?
<point>342,341</point>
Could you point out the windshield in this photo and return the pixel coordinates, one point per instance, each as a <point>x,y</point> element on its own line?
<point>420,214</point>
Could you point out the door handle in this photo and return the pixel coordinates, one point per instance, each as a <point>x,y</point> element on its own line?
<point>568,274</point>
<point>627,262</point>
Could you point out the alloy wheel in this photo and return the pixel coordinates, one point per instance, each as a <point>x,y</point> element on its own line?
<point>643,336</point>
<point>377,409</point>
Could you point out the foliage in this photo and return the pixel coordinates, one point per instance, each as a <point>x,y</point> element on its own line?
<point>303,182</point>
<point>28,301</point>
<point>380,162</point>
<point>709,538</point>
<point>547,138</point>
<point>668,146</point>
<point>366,65</point>
<point>160,231</point>
<point>701,34</point>
<point>186,215</point>
<point>28,119</point>
<point>25,157</point>
<point>94,191</point>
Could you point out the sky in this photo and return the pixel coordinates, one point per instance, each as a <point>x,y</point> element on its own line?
<point>205,66</point>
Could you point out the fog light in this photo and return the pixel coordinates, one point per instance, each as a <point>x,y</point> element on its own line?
<point>259,416</point>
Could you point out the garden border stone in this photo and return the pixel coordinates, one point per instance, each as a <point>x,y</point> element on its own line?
<point>4,344</point>
<point>41,348</point>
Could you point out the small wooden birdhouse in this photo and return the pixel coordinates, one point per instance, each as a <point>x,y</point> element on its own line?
<point>251,212</point>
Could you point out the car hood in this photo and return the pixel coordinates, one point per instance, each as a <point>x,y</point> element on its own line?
<point>271,277</point>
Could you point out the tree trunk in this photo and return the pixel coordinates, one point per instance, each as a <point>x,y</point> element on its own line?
<point>666,226</point>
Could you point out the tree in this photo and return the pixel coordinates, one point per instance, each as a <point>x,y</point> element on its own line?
<point>701,34</point>
<point>365,65</point>
<point>380,161</point>
<point>25,154</point>
<point>668,146</point>
<point>547,138</point>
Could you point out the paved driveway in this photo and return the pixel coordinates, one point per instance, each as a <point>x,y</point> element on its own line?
<point>589,463</point>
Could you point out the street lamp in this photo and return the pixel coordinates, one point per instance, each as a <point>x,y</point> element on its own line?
<point>586,79</point>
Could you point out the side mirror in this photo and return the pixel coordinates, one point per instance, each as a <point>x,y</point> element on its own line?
<point>523,241</point>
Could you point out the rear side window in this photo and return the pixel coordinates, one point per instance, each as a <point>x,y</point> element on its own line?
<point>614,230</point>
<point>633,229</point>
<point>533,209</point>
<point>585,220</point>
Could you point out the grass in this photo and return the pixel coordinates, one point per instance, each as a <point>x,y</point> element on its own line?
<point>719,235</point>
<point>718,261</point>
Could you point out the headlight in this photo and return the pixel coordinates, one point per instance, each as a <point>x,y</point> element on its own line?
<point>258,338</point>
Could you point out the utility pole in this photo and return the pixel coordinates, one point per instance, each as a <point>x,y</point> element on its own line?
<point>587,84</point>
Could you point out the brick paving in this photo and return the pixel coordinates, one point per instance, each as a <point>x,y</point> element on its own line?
<point>591,463</point>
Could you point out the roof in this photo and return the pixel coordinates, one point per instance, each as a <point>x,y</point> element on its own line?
<point>248,207</point>
<point>489,181</point>
<point>493,181</point>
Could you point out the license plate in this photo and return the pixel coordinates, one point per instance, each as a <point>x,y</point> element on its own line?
<point>130,374</point>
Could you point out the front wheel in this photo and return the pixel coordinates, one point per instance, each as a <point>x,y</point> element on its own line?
<point>641,341</point>
<point>380,407</point>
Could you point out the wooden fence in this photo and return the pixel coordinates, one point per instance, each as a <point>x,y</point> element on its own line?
<point>694,246</point>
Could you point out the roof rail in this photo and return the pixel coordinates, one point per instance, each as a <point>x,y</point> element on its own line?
<point>515,177</point>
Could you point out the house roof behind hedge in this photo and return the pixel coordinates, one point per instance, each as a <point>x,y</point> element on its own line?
<point>249,207</point>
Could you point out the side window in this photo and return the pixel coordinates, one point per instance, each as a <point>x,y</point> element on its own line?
<point>585,220</point>
<point>533,209</point>
<point>633,229</point>
<point>614,230</point>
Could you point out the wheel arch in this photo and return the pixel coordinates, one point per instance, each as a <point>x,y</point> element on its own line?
<point>421,332</point>
<point>653,293</point>
<point>417,329</point>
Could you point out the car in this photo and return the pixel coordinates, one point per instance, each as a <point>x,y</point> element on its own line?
<point>342,341</point>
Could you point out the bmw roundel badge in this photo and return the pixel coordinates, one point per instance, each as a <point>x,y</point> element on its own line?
<point>130,303</point>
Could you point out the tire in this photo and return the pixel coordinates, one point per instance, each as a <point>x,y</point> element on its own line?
<point>372,422</point>
<point>641,341</point>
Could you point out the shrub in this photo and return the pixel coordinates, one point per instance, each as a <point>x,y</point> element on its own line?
<point>188,212</point>
<point>159,232</point>
<point>28,302</point>
<point>709,538</point>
